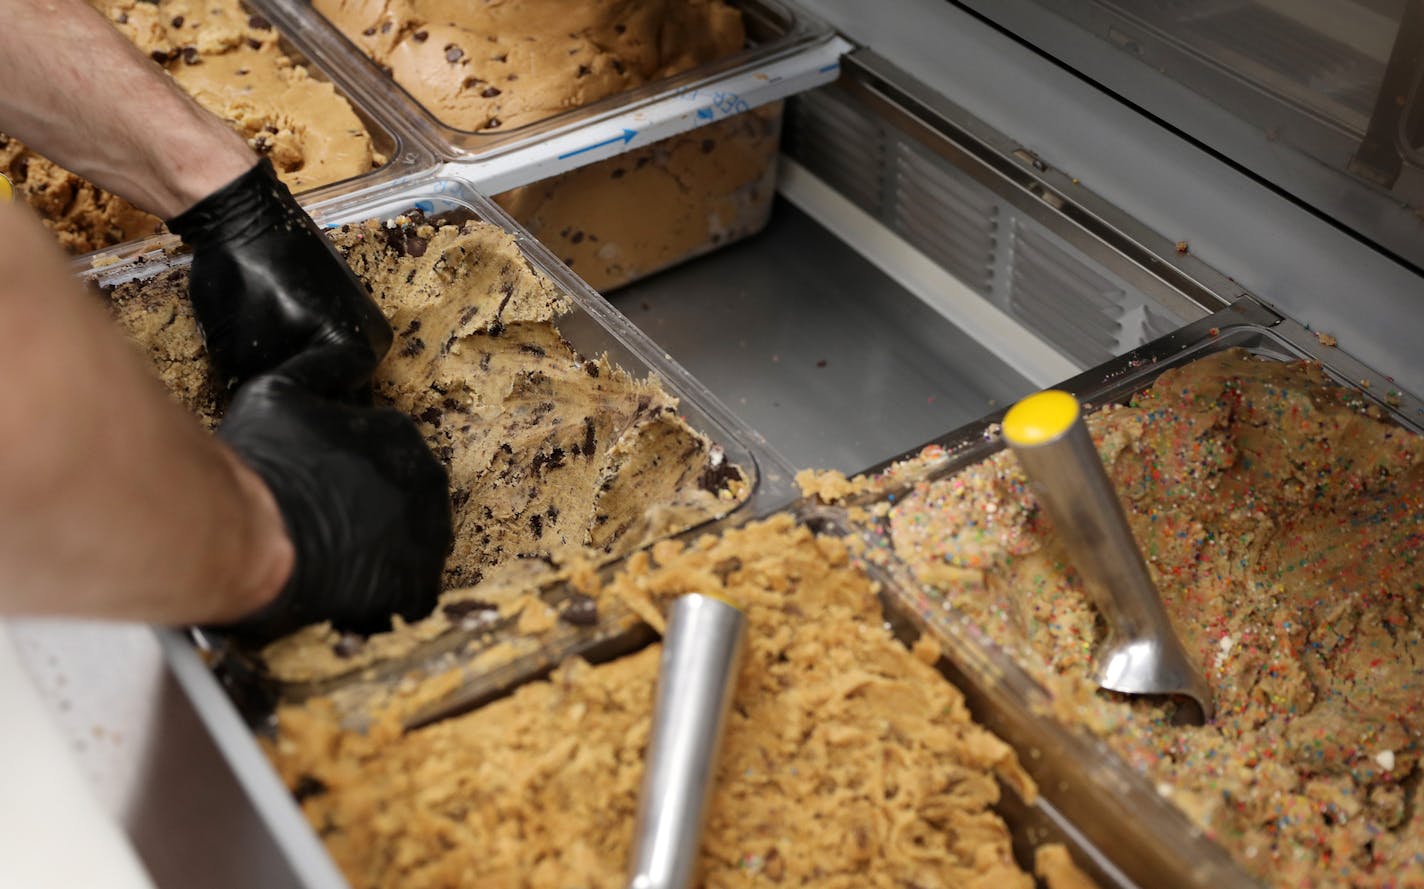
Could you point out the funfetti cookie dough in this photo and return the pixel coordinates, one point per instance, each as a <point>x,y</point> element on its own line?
<point>1282,517</point>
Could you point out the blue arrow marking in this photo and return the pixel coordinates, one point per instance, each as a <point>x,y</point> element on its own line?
<point>828,68</point>
<point>625,139</point>
<point>705,113</point>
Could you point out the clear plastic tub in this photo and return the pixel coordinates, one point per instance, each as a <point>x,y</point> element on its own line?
<point>1117,808</point>
<point>643,179</point>
<point>236,707</point>
<point>593,328</point>
<point>391,137</point>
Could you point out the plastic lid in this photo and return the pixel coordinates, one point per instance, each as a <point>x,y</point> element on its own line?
<point>1040,418</point>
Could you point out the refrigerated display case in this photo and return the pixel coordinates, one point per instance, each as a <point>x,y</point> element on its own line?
<point>992,197</point>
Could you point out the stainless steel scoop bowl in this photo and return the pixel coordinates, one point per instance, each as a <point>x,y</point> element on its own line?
<point>1141,654</point>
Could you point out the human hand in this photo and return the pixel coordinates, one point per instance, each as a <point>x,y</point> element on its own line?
<point>365,504</point>
<point>266,285</point>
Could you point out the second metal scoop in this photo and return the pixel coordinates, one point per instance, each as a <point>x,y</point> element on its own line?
<point>1141,654</point>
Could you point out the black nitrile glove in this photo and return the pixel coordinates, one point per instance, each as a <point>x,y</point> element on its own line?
<point>365,503</point>
<point>266,286</point>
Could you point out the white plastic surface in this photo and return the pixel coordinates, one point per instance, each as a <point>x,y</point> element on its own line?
<point>54,834</point>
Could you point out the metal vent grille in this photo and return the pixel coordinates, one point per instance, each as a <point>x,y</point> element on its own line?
<point>1063,300</point>
<point>1074,303</point>
<point>839,145</point>
<point>948,220</point>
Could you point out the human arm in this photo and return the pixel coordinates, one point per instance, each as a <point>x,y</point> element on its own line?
<point>77,91</point>
<point>116,503</point>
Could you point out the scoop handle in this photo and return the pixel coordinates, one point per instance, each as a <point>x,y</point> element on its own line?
<point>1047,433</point>
<point>701,653</point>
<point>7,191</point>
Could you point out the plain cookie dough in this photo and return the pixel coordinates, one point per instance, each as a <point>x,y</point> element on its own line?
<point>847,761</point>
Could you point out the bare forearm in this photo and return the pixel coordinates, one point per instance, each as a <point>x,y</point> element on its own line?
<point>78,92</point>
<point>116,503</point>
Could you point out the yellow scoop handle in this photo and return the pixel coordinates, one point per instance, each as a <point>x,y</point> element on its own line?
<point>7,191</point>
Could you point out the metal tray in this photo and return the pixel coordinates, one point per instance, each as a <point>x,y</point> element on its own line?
<point>406,156</point>
<point>618,633</point>
<point>1117,809</point>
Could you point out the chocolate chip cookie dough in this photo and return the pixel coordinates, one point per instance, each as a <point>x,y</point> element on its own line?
<point>634,214</point>
<point>1282,517</point>
<point>497,66</point>
<point>551,454</point>
<point>232,63</point>
<point>493,68</point>
<point>848,761</point>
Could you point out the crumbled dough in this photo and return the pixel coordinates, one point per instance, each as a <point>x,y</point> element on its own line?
<point>847,761</point>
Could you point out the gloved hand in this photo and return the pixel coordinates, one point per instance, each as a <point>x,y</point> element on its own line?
<point>365,503</point>
<point>267,286</point>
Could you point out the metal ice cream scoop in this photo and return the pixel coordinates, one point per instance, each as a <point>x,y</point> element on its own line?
<point>701,653</point>
<point>1141,654</point>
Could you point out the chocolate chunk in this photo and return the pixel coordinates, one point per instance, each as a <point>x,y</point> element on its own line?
<point>258,23</point>
<point>160,56</point>
<point>591,368</point>
<point>123,18</point>
<point>708,145</point>
<point>413,348</point>
<point>620,29</point>
<point>349,645</point>
<point>577,238</point>
<point>724,568</point>
<point>536,524</point>
<point>502,57</point>
<point>420,36</point>
<point>533,349</point>
<point>583,71</point>
<point>457,611</point>
<point>588,440</point>
<point>177,21</point>
<point>490,92</point>
<point>386,27</point>
<point>453,53</point>
<point>579,610</point>
<point>431,415</point>
<point>412,327</point>
<point>493,123</point>
<point>369,32</point>
<point>190,55</point>
<point>618,173</point>
<point>254,43</point>
<point>718,475</point>
<point>618,66</point>
<point>308,787</point>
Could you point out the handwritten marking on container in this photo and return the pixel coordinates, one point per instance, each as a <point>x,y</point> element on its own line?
<point>625,139</point>
<point>720,103</point>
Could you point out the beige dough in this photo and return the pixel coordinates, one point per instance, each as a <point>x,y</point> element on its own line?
<point>847,761</point>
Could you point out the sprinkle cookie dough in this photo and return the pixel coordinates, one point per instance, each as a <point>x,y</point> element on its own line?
<point>1282,517</point>
<point>230,61</point>
<point>848,761</point>
<point>552,455</point>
